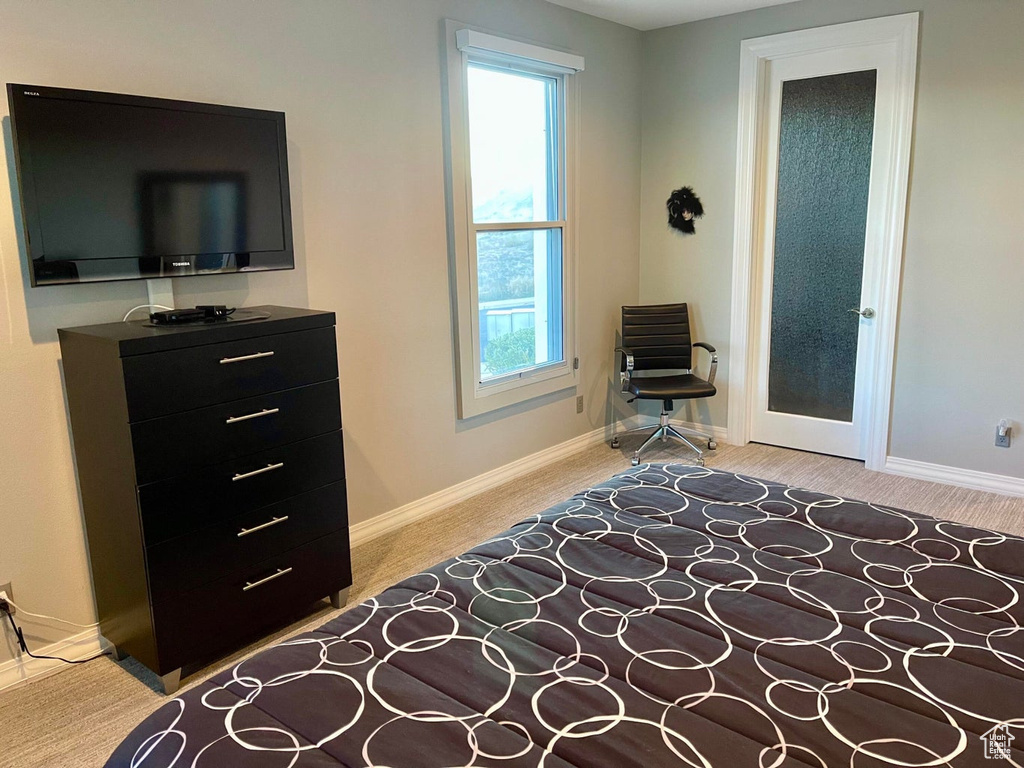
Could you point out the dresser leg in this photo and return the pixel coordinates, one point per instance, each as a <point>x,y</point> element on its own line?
<point>118,654</point>
<point>171,681</point>
<point>339,598</point>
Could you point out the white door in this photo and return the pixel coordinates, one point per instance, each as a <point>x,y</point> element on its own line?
<point>819,270</point>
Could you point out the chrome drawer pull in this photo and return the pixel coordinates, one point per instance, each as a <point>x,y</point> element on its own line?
<point>258,414</point>
<point>260,471</point>
<point>275,521</point>
<point>242,358</point>
<point>253,584</point>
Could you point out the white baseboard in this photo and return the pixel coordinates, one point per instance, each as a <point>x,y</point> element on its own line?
<point>80,646</point>
<point>966,478</point>
<point>397,518</point>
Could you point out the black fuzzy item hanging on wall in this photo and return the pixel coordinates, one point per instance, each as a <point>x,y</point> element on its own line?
<point>683,207</point>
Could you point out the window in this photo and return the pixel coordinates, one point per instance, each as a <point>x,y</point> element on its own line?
<point>510,129</point>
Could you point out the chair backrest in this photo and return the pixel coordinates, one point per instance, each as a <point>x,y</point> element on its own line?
<point>658,335</point>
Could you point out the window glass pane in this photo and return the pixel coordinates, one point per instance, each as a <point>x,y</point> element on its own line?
<point>512,146</point>
<point>827,126</point>
<point>519,283</point>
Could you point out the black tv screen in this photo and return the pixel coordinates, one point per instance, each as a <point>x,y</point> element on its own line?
<point>117,187</point>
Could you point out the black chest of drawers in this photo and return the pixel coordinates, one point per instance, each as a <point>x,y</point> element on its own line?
<point>211,465</point>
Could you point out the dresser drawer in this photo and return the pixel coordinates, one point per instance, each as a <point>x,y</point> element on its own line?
<point>187,562</point>
<point>174,444</point>
<point>162,383</point>
<point>198,499</point>
<point>199,624</point>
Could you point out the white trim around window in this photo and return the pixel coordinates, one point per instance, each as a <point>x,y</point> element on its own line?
<point>479,389</point>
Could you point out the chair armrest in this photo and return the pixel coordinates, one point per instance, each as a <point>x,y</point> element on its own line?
<point>626,367</point>
<point>714,359</point>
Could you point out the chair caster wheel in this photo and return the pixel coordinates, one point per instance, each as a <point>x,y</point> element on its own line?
<point>614,443</point>
<point>700,462</point>
<point>635,461</point>
<point>712,445</point>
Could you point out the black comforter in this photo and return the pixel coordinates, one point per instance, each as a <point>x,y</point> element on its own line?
<point>674,615</point>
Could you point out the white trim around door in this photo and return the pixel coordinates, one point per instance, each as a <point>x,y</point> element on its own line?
<point>900,33</point>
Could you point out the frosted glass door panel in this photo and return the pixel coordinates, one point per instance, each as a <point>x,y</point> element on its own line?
<point>825,142</point>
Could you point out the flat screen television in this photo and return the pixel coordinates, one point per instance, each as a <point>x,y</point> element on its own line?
<point>117,187</point>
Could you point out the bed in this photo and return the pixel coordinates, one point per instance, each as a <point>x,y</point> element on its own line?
<point>671,616</point>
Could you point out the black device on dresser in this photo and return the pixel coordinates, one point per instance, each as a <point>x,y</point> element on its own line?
<point>212,473</point>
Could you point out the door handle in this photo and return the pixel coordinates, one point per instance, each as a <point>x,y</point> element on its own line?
<point>867,313</point>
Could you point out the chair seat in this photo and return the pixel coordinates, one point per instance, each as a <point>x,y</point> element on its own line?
<point>679,387</point>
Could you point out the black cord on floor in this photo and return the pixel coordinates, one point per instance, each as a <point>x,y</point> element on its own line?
<point>21,643</point>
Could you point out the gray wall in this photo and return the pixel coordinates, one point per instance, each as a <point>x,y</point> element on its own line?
<point>360,82</point>
<point>960,356</point>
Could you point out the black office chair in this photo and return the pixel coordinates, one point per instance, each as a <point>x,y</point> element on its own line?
<point>657,338</point>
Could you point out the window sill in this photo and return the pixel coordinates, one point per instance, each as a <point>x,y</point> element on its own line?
<point>488,398</point>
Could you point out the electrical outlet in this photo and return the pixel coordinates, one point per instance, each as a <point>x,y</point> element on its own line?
<point>6,593</point>
<point>1003,440</point>
<point>579,404</point>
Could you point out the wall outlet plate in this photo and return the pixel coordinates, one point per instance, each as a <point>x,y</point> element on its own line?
<point>1003,441</point>
<point>6,589</point>
<point>579,404</point>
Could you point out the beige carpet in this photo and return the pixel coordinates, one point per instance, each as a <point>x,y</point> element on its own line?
<point>77,717</point>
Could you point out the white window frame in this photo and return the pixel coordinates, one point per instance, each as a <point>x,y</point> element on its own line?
<point>463,45</point>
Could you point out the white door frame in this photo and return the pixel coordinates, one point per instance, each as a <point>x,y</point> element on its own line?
<point>901,32</point>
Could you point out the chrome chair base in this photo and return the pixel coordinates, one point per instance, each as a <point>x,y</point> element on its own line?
<point>662,432</point>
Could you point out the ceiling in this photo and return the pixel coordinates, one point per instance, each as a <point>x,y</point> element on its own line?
<point>652,14</point>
